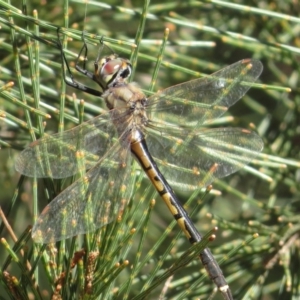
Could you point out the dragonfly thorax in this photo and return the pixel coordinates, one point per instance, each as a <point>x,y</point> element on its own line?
<point>128,106</point>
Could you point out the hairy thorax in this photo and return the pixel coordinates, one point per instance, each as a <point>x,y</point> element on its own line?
<point>127,104</point>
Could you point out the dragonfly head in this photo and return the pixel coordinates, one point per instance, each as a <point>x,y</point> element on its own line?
<point>112,70</point>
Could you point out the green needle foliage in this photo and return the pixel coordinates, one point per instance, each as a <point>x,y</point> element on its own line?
<point>143,254</point>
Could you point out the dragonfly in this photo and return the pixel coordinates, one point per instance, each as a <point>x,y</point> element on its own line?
<point>165,133</point>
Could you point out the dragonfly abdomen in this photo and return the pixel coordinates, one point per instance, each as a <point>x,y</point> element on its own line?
<point>140,151</point>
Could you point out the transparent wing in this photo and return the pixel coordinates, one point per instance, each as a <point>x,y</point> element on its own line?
<point>196,159</point>
<point>196,102</point>
<point>90,202</point>
<point>61,155</point>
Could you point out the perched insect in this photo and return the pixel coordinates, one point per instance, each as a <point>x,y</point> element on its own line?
<point>171,121</point>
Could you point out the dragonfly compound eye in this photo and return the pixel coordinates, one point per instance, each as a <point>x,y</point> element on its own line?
<point>111,67</point>
<point>114,71</point>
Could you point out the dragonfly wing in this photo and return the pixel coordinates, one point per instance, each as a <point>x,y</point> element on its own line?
<point>196,159</point>
<point>61,155</point>
<point>198,101</point>
<point>90,202</point>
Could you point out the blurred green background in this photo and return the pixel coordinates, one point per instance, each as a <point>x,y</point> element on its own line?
<point>203,38</point>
